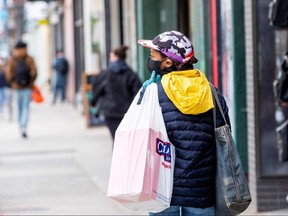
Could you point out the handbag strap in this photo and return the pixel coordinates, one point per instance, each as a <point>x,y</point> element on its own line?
<point>216,99</point>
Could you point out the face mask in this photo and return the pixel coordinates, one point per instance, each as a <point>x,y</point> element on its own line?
<point>153,65</point>
<point>156,66</point>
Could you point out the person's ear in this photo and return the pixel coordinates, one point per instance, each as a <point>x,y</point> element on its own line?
<point>167,63</point>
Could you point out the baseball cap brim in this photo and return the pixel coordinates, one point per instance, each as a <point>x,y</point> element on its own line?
<point>148,44</point>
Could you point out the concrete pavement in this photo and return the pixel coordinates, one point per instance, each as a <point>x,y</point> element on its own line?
<point>61,169</point>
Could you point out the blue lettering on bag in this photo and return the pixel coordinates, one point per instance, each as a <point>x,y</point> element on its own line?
<point>163,148</point>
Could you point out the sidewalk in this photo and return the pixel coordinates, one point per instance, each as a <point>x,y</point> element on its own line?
<point>61,169</point>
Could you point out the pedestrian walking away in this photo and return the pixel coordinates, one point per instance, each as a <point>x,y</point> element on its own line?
<point>187,107</point>
<point>61,67</point>
<point>21,74</point>
<point>115,89</point>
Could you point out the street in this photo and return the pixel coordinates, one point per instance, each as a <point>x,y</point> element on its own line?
<point>61,169</point>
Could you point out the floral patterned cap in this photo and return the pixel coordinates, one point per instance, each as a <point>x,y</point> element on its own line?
<point>173,44</point>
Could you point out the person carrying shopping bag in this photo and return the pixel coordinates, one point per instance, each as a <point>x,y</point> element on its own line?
<point>187,108</point>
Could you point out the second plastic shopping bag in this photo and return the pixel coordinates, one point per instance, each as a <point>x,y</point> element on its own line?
<point>141,175</point>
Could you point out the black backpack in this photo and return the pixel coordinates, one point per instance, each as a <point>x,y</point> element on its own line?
<point>278,13</point>
<point>3,82</point>
<point>22,73</point>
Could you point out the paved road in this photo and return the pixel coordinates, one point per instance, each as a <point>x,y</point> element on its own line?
<point>62,168</point>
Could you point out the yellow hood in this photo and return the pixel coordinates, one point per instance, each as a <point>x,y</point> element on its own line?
<point>189,91</point>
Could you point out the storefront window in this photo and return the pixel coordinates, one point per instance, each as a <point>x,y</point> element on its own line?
<point>272,43</point>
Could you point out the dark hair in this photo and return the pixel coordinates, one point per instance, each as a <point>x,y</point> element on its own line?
<point>182,66</point>
<point>20,44</point>
<point>120,52</point>
<point>187,65</point>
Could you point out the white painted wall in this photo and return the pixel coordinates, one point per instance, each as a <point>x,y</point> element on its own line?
<point>93,61</point>
<point>38,46</point>
<point>38,40</point>
<point>69,47</point>
<point>130,36</point>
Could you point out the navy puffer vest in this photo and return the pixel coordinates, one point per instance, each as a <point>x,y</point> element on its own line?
<point>193,137</point>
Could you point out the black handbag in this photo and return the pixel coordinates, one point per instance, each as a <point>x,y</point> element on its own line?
<point>232,189</point>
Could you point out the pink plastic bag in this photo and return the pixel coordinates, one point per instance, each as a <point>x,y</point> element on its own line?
<point>141,175</point>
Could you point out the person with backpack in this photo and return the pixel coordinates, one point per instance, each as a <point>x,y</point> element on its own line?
<point>61,67</point>
<point>21,74</point>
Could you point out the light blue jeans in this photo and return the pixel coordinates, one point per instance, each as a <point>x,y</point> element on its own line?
<point>2,98</point>
<point>23,100</point>
<point>185,211</point>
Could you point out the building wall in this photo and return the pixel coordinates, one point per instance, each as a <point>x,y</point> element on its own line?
<point>115,24</point>
<point>250,92</point>
<point>153,17</point>
<point>239,84</point>
<point>69,47</point>
<point>38,43</point>
<point>38,38</point>
<point>268,192</point>
<point>94,35</point>
<point>123,29</point>
<point>198,35</point>
<point>130,36</point>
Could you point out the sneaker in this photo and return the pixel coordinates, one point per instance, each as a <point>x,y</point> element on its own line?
<point>24,135</point>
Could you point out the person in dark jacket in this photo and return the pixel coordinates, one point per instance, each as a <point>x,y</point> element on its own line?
<point>61,67</point>
<point>187,103</point>
<point>21,74</point>
<point>116,87</point>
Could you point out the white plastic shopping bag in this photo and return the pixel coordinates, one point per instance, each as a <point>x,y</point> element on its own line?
<point>141,175</point>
